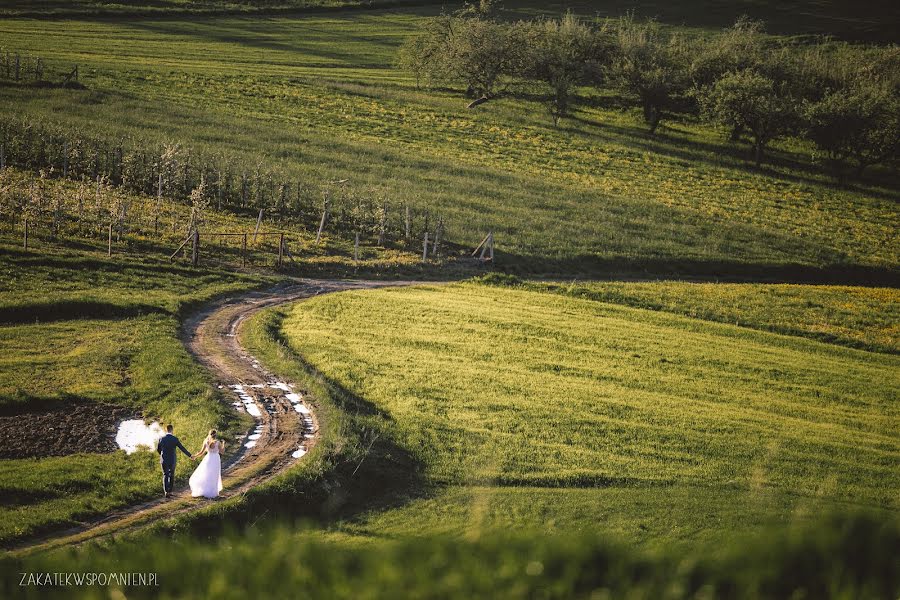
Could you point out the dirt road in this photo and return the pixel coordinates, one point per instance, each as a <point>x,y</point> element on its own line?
<point>285,425</point>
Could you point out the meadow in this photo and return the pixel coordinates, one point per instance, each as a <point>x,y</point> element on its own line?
<point>534,410</point>
<point>318,98</point>
<point>699,361</point>
<point>859,317</point>
<point>82,330</point>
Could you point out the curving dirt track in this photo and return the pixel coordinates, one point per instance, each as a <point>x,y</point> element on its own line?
<point>212,337</point>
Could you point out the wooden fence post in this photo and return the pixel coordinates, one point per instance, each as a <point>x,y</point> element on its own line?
<point>437,236</point>
<point>408,225</point>
<point>356,248</point>
<point>219,190</point>
<point>109,240</point>
<point>280,249</point>
<point>65,159</point>
<point>258,221</point>
<point>381,232</point>
<point>322,222</point>
<point>159,185</point>
<point>244,252</point>
<point>425,248</point>
<point>195,248</point>
<point>26,233</point>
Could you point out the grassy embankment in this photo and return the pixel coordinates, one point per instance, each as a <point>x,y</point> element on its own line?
<point>318,98</point>
<point>80,328</point>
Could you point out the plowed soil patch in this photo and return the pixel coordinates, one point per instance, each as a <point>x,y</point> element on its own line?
<point>61,430</point>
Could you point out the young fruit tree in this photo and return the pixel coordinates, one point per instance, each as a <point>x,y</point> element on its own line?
<point>752,102</point>
<point>564,54</point>
<point>857,124</point>
<point>650,66</point>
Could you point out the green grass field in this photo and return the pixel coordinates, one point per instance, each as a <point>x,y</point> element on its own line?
<point>859,317</point>
<point>318,98</point>
<point>699,364</point>
<point>842,558</point>
<point>85,329</point>
<point>535,410</point>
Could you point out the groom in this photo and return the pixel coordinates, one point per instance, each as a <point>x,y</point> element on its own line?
<point>166,448</point>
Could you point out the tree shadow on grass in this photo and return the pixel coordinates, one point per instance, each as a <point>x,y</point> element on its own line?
<point>779,164</point>
<point>66,310</point>
<point>591,266</point>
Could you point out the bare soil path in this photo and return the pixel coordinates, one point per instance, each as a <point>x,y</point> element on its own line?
<point>285,425</point>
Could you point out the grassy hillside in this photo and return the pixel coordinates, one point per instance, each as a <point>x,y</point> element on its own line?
<point>168,7</point>
<point>318,98</point>
<point>859,317</point>
<point>534,410</point>
<point>82,331</point>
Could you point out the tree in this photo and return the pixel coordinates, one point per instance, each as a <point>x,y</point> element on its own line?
<point>751,101</point>
<point>199,205</point>
<point>482,54</point>
<point>857,125</point>
<point>741,46</point>
<point>563,54</point>
<point>649,66</point>
<point>425,55</point>
<point>486,55</point>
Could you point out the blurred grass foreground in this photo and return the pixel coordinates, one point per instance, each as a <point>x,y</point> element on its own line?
<point>832,557</point>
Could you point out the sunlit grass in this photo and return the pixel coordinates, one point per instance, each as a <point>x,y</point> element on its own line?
<point>529,396</point>
<point>862,317</point>
<point>98,330</point>
<point>319,98</point>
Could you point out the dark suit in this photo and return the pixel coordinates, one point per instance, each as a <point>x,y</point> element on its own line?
<point>166,448</point>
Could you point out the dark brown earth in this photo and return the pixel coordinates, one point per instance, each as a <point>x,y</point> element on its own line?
<point>65,428</point>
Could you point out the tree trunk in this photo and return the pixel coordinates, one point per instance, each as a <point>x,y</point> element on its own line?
<point>655,118</point>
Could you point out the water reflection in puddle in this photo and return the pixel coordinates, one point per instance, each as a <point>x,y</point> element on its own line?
<point>249,404</point>
<point>134,434</point>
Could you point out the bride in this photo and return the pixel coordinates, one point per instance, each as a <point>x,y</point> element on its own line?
<point>206,480</point>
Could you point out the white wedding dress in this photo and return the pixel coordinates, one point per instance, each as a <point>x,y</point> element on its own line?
<point>206,480</point>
